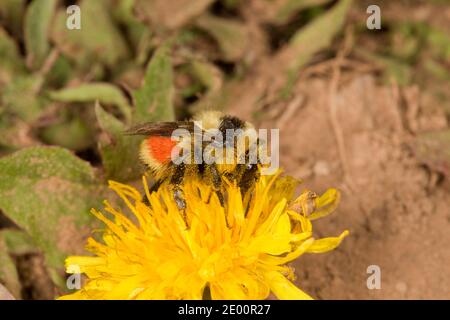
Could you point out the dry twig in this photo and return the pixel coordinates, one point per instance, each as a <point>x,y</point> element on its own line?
<point>332,98</point>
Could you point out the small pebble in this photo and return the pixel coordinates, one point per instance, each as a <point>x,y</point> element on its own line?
<point>321,168</point>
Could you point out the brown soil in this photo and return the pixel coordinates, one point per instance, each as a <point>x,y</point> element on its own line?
<point>395,208</point>
<point>36,283</point>
<point>72,238</point>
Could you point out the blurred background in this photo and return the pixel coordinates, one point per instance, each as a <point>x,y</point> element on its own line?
<point>363,110</point>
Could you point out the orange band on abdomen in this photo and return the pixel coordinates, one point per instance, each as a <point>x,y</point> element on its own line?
<point>161,148</point>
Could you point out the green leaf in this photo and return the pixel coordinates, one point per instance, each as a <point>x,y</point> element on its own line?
<point>308,41</point>
<point>208,74</point>
<point>18,242</point>
<point>436,69</point>
<point>216,100</point>
<point>394,69</point>
<point>74,134</point>
<point>12,11</point>
<point>231,35</point>
<point>119,152</point>
<point>288,8</point>
<point>8,274</point>
<point>98,41</point>
<point>210,77</point>
<point>163,14</point>
<point>138,33</point>
<point>154,100</point>
<point>433,149</point>
<point>61,72</point>
<point>37,22</point>
<point>439,41</point>
<point>20,97</point>
<point>15,133</point>
<point>317,35</point>
<point>104,92</point>
<point>48,192</point>
<point>12,64</point>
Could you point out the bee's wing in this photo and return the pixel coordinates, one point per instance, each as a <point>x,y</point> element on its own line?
<point>160,128</point>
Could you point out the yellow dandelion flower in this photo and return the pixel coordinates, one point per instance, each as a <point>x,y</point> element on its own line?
<point>238,250</point>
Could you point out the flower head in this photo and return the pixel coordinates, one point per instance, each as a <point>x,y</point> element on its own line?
<point>238,250</point>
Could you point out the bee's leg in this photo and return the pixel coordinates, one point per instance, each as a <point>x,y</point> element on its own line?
<point>152,189</point>
<point>221,198</point>
<point>156,185</point>
<point>179,199</point>
<point>248,177</point>
<point>178,195</point>
<point>181,203</point>
<point>217,183</point>
<point>206,293</point>
<point>145,201</point>
<point>247,180</point>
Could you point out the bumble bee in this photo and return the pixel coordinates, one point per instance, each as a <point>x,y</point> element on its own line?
<point>212,146</point>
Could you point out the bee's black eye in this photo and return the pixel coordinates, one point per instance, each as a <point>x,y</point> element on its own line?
<point>228,122</point>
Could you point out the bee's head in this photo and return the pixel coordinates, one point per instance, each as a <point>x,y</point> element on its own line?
<point>237,134</point>
<point>231,123</point>
<point>217,120</point>
<point>234,131</point>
